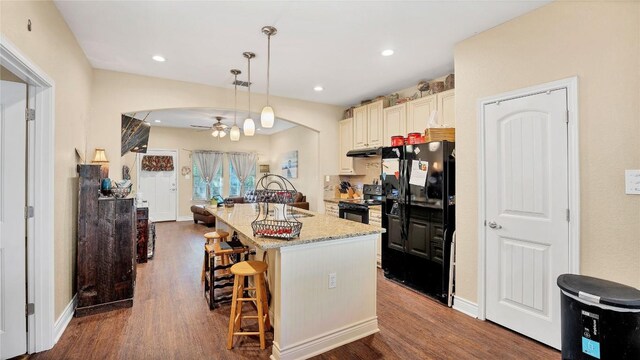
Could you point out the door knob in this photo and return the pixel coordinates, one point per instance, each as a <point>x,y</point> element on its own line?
<point>494,225</point>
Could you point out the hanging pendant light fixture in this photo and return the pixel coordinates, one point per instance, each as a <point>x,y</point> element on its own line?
<point>267,117</point>
<point>249,126</point>
<point>234,133</point>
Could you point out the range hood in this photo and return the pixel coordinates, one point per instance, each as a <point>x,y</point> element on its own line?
<point>364,152</point>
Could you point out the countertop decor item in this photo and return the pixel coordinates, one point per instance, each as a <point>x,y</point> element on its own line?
<point>274,218</point>
<point>234,133</point>
<point>267,117</point>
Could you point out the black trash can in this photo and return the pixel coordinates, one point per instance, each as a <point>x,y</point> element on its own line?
<point>600,319</point>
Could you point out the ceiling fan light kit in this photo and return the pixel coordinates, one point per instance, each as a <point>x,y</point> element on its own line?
<point>267,117</point>
<point>249,126</point>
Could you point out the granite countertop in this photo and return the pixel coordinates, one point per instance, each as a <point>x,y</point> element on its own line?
<point>315,227</point>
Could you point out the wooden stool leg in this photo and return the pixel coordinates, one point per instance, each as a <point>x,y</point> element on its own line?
<point>204,262</point>
<point>265,303</point>
<point>234,302</point>
<point>238,319</point>
<point>259,291</point>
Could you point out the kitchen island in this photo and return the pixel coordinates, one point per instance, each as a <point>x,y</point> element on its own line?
<point>310,313</point>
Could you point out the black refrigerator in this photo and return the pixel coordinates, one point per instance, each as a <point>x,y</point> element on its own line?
<point>419,186</point>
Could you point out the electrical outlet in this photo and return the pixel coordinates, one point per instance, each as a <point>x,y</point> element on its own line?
<point>332,280</point>
<point>632,182</point>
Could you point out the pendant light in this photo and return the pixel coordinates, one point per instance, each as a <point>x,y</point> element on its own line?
<point>234,133</point>
<point>249,126</point>
<point>267,117</point>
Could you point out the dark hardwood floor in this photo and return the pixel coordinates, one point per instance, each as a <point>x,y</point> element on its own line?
<point>171,320</point>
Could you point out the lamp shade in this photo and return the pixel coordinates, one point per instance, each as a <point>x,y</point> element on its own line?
<point>100,156</point>
<point>249,127</point>
<point>234,134</point>
<point>267,117</point>
<point>223,134</point>
<point>215,133</point>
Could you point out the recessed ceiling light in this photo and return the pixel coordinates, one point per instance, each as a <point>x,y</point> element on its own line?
<point>157,121</point>
<point>318,88</point>
<point>159,58</point>
<point>387,52</point>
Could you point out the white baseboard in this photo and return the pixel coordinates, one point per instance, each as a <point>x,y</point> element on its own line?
<point>465,306</point>
<point>185,218</point>
<point>64,319</point>
<point>325,342</point>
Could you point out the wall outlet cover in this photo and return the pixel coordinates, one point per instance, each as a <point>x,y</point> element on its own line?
<point>632,182</point>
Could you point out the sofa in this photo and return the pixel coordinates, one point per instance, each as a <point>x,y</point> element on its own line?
<point>252,196</point>
<point>201,214</point>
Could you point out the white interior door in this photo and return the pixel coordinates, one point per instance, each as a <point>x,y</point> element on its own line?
<point>527,229</point>
<point>13,326</point>
<point>159,188</point>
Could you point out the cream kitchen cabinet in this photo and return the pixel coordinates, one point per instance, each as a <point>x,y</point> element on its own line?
<point>446,108</point>
<point>394,122</point>
<point>375,219</point>
<point>346,144</point>
<point>331,208</point>
<point>418,112</point>
<point>368,125</point>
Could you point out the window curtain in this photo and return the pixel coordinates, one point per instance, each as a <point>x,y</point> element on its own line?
<point>209,162</point>
<point>243,163</point>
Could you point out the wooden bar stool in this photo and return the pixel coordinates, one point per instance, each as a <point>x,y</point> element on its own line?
<point>213,237</point>
<point>240,271</point>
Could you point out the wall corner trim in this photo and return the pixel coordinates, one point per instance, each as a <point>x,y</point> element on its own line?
<point>465,306</point>
<point>65,318</point>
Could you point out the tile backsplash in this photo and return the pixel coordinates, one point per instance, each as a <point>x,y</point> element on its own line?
<point>367,168</point>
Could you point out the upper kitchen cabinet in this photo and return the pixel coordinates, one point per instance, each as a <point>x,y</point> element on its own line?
<point>346,144</point>
<point>418,112</point>
<point>360,119</point>
<point>374,128</point>
<point>447,108</point>
<point>367,125</point>
<point>394,122</point>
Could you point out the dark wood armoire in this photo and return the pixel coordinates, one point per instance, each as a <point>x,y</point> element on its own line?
<point>106,256</point>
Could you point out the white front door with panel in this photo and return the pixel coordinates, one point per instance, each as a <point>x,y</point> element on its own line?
<point>159,188</point>
<point>13,296</point>
<point>527,228</point>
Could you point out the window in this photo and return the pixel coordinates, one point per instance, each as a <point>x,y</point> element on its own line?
<point>234,182</point>
<point>200,187</point>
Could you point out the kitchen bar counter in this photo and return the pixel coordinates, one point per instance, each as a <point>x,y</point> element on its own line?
<point>315,227</point>
<point>323,284</point>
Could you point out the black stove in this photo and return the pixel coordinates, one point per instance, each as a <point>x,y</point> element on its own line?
<point>358,209</point>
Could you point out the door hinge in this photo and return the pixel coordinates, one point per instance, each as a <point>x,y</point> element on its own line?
<point>28,212</point>
<point>30,309</point>
<point>568,215</point>
<point>30,114</point>
<point>567,116</point>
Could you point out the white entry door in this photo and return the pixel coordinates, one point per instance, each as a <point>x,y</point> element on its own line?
<point>159,188</point>
<point>527,229</point>
<point>13,326</point>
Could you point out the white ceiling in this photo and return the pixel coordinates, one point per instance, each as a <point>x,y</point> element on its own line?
<point>335,44</point>
<point>184,118</point>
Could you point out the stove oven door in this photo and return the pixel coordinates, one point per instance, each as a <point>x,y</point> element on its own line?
<point>353,214</point>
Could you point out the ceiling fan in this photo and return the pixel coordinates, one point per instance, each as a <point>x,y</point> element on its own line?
<point>219,129</point>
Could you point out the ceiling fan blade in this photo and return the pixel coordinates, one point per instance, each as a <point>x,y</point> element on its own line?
<point>200,126</point>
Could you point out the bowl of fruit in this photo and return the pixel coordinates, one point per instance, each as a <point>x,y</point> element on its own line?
<point>281,229</point>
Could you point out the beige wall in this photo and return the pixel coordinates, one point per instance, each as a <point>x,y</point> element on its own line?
<point>166,138</point>
<point>115,93</point>
<point>305,141</point>
<point>53,48</point>
<point>600,43</point>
